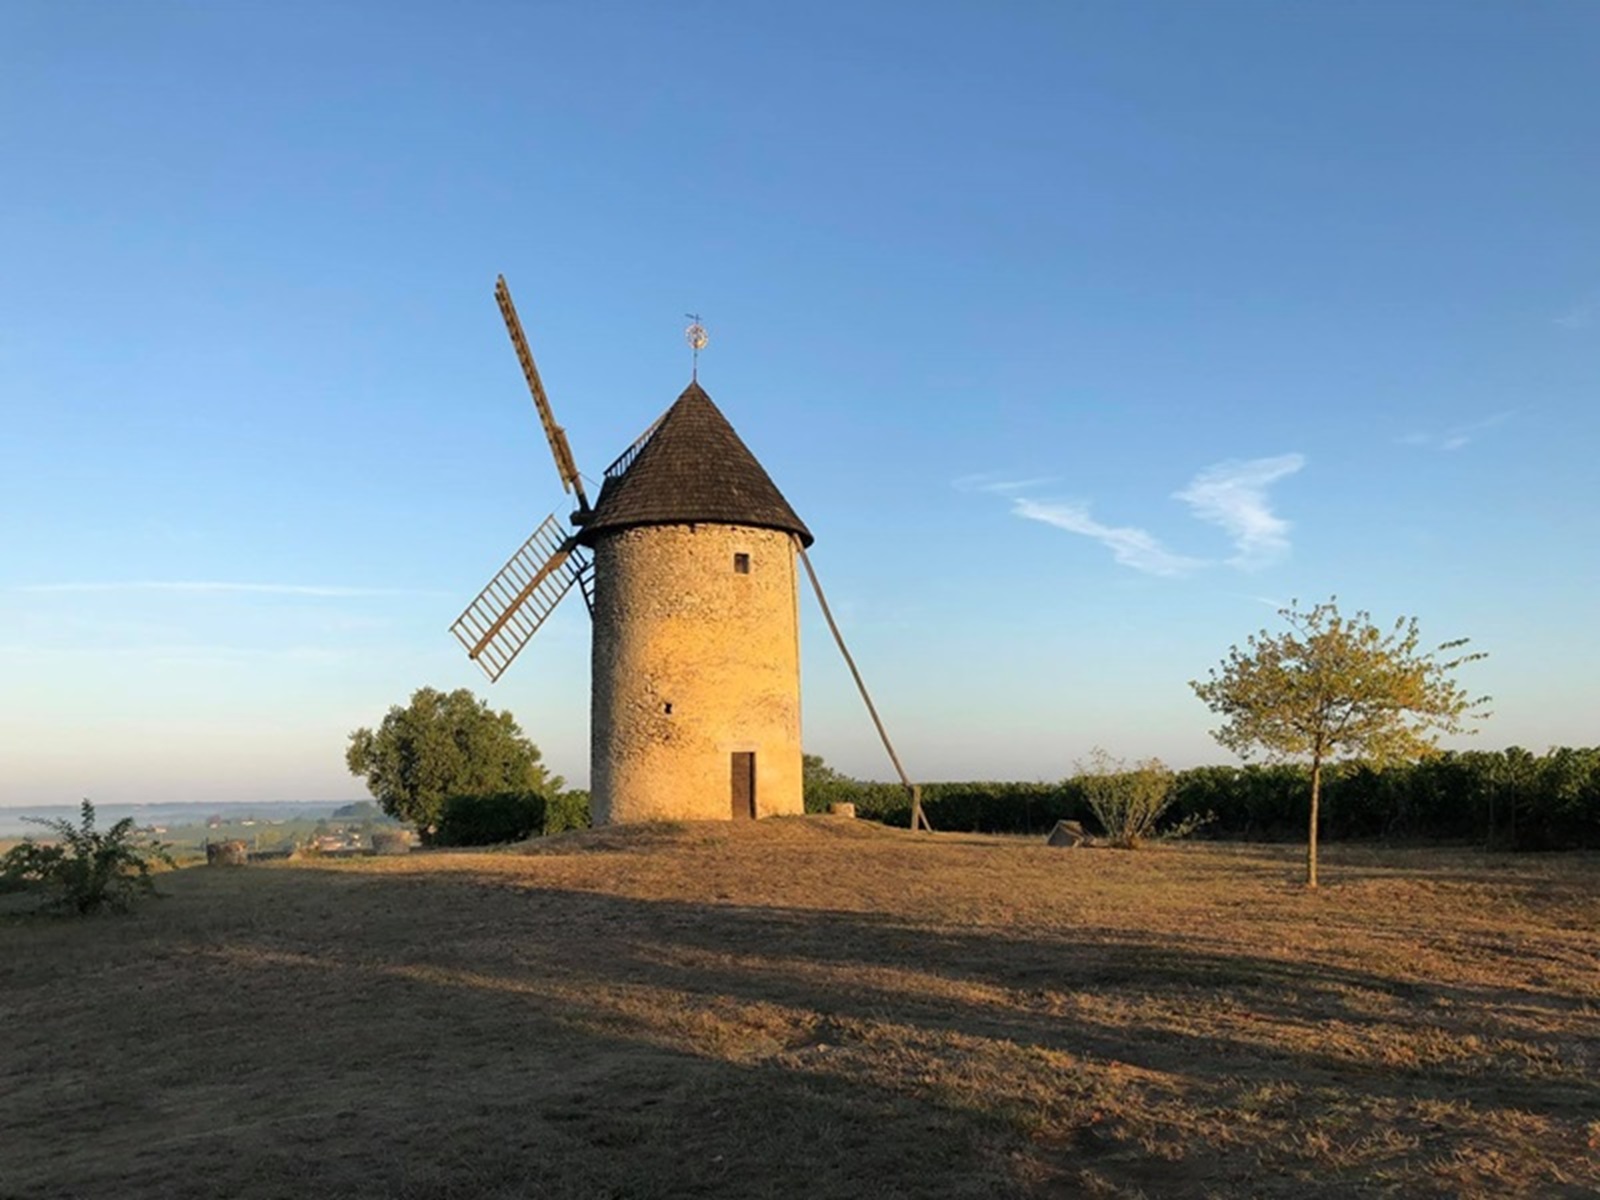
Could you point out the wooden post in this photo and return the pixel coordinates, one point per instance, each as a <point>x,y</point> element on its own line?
<point>919,819</point>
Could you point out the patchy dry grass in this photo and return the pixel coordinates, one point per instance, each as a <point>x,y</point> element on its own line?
<point>816,1008</point>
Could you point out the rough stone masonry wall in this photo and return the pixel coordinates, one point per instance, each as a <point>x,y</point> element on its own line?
<point>692,662</point>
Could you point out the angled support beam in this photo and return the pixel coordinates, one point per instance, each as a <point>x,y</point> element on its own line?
<point>919,819</point>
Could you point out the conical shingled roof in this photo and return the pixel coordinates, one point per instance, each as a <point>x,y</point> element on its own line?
<point>693,470</point>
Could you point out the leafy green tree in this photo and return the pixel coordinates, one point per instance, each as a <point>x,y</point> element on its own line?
<point>441,745</point>
<point>87,869</point>
<point>814,770</point>
<point>1333,687</point>
<point>824,786</point>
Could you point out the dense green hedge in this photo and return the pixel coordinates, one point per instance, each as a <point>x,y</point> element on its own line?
<point>485,820</point>
<point>1508,798</point>
<point>489,820</point>
<point>981,807</point>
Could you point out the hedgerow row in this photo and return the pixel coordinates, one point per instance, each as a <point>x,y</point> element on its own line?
<point>1510,799</point>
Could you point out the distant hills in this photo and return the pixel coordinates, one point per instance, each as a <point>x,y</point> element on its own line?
<point>14,821</point>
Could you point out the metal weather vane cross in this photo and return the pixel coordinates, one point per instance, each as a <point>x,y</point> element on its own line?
<point>695,335</point>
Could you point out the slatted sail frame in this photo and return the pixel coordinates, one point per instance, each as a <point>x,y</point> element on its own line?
<point>497,625</point>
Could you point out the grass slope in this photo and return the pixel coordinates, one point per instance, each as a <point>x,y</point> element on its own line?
<point>815,1008</point>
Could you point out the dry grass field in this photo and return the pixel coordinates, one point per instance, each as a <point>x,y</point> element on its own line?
<point>815,1008</point>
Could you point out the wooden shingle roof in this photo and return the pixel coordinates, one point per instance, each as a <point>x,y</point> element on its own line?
<point>693,469</point>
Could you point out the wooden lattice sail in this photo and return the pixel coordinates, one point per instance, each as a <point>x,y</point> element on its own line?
<point>498,624</point>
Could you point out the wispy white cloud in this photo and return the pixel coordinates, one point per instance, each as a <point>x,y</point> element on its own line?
<point>998,483</point>
<point>1130,546</point>
<point>201,586</point>
<point>1273,602</point>
<point>1230,494</point>
<point>1457,436</point>
<point>1234,495</point>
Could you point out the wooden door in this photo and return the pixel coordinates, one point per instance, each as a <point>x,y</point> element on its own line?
<point>744,785</point>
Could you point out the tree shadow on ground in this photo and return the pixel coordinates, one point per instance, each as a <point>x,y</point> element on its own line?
<point>1022,989</point>
<point>434,1035</point>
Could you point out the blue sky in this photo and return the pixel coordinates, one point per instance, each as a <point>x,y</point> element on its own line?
<point>1080,335</point>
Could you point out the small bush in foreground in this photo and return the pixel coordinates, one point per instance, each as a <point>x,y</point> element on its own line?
<point>1127,801</point>
<point>88,870</point>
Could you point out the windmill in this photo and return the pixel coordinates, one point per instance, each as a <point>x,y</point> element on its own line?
<point>687,563</point>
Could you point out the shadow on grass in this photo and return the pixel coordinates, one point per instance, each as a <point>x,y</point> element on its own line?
<point>319,1031</point>
<point>1029,990</point>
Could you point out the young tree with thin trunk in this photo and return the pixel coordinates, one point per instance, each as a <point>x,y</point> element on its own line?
<point>1334,687</point>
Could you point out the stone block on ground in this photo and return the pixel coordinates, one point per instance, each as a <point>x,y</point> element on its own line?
<point>1068,834</point>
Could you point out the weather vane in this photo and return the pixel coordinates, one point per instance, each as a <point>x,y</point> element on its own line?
<point>695,335</point>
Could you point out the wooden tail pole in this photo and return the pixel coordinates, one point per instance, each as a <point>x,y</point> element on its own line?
<point>919,819</point>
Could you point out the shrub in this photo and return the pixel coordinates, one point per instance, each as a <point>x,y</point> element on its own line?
<point>1127,801</point>
<point>992,807</point>
<point>489,819</point>
<point>88,870</point>
<point>566,810</point>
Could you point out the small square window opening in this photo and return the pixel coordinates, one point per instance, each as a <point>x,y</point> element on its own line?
<point>741,564</point>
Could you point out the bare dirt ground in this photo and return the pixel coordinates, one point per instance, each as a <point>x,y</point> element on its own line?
<point>815,1008</point>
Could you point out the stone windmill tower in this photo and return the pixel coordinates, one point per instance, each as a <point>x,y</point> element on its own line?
<point>688,564</point>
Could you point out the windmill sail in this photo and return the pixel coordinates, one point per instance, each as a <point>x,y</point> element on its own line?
<point>498,624</point>
<point>557,436</point>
